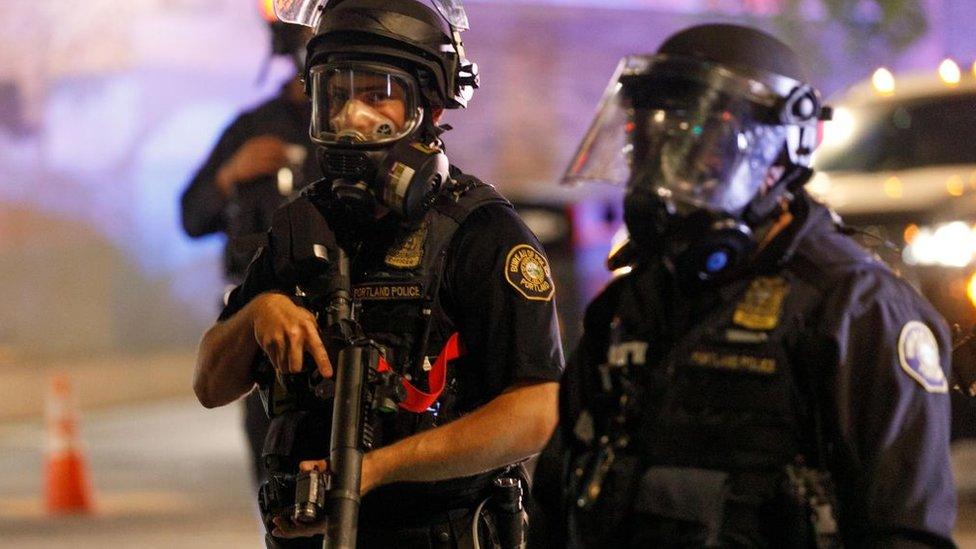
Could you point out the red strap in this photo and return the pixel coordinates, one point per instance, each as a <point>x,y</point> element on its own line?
<point>418,401</point>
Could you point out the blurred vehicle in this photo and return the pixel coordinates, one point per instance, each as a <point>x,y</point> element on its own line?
<point>898,163</point>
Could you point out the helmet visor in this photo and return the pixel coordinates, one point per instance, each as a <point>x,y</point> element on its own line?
<point>696,134</point>
<point>713,161</point>
<point>362,104</point>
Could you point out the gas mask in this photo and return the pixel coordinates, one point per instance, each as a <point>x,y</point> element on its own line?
<point>706,155</point>
<point>377,143</point>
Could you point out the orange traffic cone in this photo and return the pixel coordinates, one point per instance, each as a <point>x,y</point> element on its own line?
<point>66,486</point>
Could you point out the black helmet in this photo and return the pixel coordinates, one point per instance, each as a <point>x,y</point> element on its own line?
<point>707,135</point>
<point>405,33</point>
<point>736,47</point>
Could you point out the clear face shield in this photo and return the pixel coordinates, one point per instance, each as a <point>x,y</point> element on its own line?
<point>695,135</point>
<point>362,104</point>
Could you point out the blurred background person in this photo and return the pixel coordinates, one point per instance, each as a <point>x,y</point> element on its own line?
<point>261,159</point>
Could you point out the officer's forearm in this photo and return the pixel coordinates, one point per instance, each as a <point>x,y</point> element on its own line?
<point>513,426</point>
<point>223,372</point>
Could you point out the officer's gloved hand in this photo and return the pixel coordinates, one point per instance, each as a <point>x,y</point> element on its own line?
<point>286,332</point>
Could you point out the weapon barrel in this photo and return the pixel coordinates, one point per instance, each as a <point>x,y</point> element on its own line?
<point>345,445</point>
<point>345,451</point>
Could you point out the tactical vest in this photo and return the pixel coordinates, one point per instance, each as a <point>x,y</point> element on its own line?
<point>720,403</point>
<point>395,299</point>
<point>724,395</point>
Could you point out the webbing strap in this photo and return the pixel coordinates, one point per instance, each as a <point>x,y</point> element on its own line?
<point>418,401</point>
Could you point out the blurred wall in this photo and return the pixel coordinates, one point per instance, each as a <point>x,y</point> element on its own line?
<point>107,107</point>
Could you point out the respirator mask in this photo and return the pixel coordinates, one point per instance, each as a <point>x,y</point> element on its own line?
<point>378,145</point>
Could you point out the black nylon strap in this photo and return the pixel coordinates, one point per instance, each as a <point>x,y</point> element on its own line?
<point>456,202</point>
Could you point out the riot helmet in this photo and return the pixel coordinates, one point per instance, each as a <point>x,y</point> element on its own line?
<point>708,135</point>
<point>379,73</point>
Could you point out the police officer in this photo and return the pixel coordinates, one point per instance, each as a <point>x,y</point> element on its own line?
<point>756,379</point>
<point>262,158</point>
<point>434,252</point>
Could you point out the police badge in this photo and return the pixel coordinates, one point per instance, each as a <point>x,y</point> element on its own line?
<point>410,252</point>
<point>761,307</point>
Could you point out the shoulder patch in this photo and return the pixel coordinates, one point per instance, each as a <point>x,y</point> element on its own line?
<point>527,271</point>
<point>918,354</point>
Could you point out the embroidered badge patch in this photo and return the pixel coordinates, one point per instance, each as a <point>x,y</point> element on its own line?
<point>528,272</point>
<point>918,353</point>
<point>761,307</point>
<point>409,253</point>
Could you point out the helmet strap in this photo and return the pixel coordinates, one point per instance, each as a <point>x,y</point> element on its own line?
<point>764,205</point>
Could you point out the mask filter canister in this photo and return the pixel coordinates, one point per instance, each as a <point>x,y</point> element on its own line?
<point>410,176</point>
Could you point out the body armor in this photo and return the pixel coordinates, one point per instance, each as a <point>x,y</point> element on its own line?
<point>396,302</point>
<point>702,430</point>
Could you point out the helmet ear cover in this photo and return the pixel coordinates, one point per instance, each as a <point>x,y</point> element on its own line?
<point>801,106</point>
<point>801,111</point>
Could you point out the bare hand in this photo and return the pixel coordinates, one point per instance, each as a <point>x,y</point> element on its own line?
<point>287,528</point>
<point>285,332</point>
<point>258,156</point>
